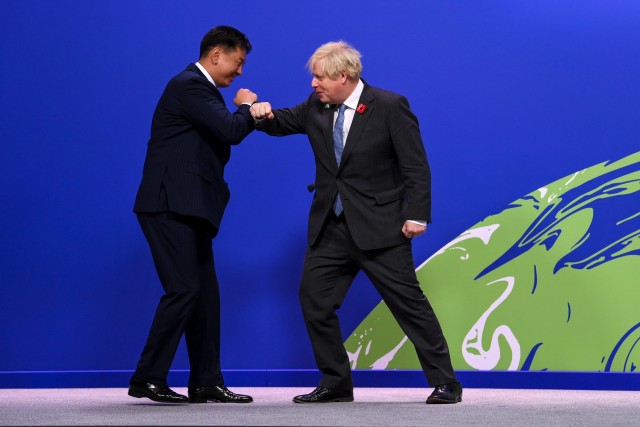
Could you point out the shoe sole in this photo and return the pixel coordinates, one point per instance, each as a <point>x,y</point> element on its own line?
<point>205,400</point>
<point>139,394</point>
<point>442,401</point>
<point>337,399</point>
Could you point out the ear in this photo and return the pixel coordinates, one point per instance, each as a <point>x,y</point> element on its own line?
<point>343,77</point>
<point>214,55</point>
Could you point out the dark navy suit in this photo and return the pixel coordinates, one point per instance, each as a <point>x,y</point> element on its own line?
<point>180,204</point>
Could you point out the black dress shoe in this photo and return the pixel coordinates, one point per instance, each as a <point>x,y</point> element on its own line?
<point>323,395</point>
<point>446,393</point>
<point>218,393</point>
<point>155,392</point>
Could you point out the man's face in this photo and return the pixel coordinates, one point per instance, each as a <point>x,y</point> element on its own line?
<point>229,65</point>
<point>330,91</point>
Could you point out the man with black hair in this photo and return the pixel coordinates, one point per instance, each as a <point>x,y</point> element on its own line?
<point>179,205</point>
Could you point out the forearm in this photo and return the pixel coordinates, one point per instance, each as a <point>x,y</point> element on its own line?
<point>282,122</point>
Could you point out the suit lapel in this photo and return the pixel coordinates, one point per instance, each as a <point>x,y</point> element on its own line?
<point>195,69</point>
<point>217,92</point>
<point>327,131</point>
<point>359,121</point>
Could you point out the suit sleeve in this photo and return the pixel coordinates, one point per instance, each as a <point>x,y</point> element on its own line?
<point>287,121</point>
<point>412,159</point>
<point>210,114</point>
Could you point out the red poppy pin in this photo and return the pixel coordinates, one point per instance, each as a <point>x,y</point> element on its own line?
<point>361,108</point>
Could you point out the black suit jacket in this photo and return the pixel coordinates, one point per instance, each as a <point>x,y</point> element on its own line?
<point>191,136</point>
<point>384,176</point>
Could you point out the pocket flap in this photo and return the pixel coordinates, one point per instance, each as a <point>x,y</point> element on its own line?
<point>201,171</point>
<point>389,196</point>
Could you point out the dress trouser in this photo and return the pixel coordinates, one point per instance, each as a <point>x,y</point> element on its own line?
<point>329,269</point>
<point>182,252</point>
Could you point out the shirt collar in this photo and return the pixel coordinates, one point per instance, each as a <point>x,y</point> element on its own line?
<point>206,74</point>
<point>352,100</point>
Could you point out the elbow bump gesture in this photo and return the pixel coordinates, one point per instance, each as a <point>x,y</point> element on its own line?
<point>261,110</point>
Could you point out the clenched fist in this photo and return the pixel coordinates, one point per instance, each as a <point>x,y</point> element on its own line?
<point>262,110</point>
<point>245,96</point>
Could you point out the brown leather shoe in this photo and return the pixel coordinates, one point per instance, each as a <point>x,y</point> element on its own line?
<point>218,393</point>
<point>446,393</point>
<point>156,392</point>
<point>324,395</point>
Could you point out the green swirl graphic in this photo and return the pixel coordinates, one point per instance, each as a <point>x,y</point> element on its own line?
<point>549,283</point>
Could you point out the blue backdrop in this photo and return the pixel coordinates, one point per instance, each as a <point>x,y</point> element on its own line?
<point>509,95</point>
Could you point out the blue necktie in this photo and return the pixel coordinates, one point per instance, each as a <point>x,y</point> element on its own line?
<point>338,147</point>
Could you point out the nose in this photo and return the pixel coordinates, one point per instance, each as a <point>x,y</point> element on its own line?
<point>239,70</point>
<point>314,83</point>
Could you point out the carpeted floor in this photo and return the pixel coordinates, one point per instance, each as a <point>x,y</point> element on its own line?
<point>372,407</point>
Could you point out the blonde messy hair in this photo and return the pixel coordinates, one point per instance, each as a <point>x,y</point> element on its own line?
<point>337,57</point>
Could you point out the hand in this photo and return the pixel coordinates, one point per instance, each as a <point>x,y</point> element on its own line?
<point>411,229</point>
<point>262,110</point>
<point>245,96</point>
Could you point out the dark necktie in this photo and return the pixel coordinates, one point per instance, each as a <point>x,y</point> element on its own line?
<point>338,147</point>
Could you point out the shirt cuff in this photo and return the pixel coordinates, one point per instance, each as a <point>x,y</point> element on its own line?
<point>422,223</point>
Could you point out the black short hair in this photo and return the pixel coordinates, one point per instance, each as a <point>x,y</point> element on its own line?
<point>227,37</point>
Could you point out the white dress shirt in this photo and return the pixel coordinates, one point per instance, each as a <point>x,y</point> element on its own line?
<point>349,113</point>
<point>206,73</point>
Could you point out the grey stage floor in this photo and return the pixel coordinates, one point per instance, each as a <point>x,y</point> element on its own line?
<point>372,407</point>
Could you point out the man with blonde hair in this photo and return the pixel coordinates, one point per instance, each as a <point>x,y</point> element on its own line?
<point>372,196</point>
